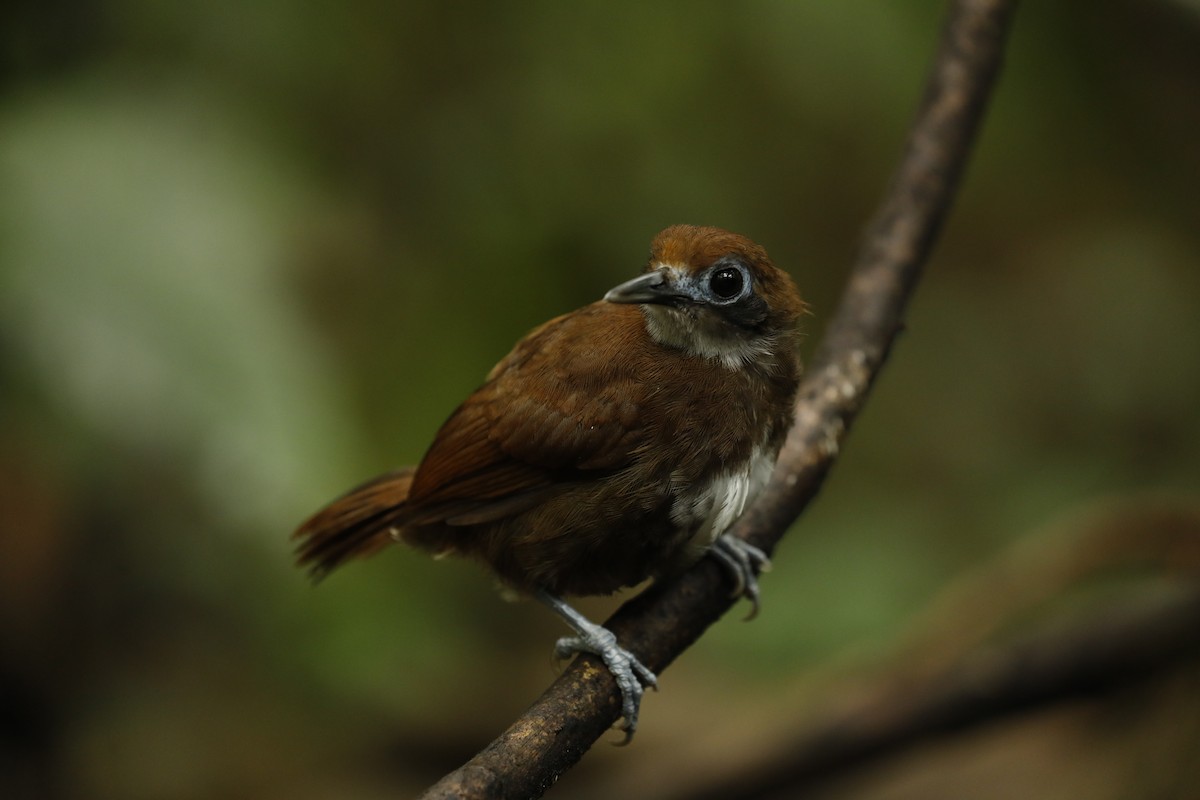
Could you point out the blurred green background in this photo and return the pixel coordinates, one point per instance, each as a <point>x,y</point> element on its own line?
<point>253,253</point>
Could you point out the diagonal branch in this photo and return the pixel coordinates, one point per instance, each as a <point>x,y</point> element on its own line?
<point>1124,641</point>
<point>662,622</point>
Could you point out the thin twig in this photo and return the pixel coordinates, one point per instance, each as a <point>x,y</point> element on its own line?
<point>661,623</point>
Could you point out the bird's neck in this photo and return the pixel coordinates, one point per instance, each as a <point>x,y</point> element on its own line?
<point>669,328</point>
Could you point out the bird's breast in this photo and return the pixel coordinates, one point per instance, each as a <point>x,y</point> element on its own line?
<point>713,505</point>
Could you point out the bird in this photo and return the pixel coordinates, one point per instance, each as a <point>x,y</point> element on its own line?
<point>614,444</point>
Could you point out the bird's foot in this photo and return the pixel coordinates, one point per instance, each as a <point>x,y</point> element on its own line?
<point>631,675</point>
<point>744,562</point>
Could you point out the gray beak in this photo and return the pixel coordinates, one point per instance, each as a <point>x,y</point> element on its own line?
<point>653,287</point>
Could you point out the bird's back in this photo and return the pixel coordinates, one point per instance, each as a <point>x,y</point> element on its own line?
<point>593,456</point>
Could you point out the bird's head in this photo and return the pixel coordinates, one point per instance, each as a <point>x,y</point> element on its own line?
<point>714,294</point>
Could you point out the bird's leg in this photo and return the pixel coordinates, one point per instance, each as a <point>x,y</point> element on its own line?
<point>744,562</point>
<point>630,674</point>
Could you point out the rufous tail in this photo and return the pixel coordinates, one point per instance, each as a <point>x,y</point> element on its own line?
<point>359,523</point>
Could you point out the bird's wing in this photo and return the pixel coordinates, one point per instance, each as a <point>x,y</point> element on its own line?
<point>561,406</point>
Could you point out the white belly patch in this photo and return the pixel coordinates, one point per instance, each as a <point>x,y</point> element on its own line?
<point>716,506</point>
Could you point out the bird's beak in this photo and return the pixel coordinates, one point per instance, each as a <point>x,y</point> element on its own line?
<point>653,287</point>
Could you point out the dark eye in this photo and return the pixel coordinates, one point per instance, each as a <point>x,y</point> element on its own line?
<point>726,283</point>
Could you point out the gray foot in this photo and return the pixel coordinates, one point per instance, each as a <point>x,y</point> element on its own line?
<point>630,674</point>
<point>744,562</point>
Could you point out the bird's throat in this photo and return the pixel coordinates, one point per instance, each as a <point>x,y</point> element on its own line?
<point>682,329</point>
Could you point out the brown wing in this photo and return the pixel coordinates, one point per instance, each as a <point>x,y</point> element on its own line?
<point>562,405</point>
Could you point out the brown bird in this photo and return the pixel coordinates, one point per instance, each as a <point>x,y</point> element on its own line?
<point>613,444</point>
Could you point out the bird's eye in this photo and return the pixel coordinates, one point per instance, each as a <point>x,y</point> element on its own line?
<point>726,283</point>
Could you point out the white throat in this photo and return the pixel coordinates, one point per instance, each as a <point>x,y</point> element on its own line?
<point>683,331</point>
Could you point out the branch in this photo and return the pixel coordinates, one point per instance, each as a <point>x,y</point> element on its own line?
<point>662,622</point>
<point>1128,640</point>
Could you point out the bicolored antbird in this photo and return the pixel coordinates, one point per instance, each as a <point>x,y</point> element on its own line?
<point>613,444</point>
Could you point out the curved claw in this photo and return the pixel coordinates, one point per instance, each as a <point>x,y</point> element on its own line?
<point>631,675</point>
<point>744,562</point>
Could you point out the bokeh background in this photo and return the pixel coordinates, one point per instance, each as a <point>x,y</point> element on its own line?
<point>253,253</point>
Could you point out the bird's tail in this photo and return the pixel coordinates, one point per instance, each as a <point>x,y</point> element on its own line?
<point>359,523</point>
